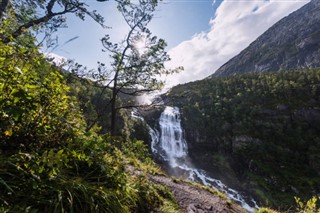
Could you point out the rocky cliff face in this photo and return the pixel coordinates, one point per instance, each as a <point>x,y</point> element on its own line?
<point>292,43</point>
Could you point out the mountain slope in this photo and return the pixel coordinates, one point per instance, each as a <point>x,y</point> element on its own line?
<point>257,132</point>
<point>292,43</point>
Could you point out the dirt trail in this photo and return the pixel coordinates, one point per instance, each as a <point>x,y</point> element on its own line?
<point>194,199</point>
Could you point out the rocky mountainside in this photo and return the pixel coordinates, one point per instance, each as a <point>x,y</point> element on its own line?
<point>292,43</point>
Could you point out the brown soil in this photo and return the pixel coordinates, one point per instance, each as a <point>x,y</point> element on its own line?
<point>194,199</point>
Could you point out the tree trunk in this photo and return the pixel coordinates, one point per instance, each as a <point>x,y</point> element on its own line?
<point>114,109</point>
<point>113,117</point>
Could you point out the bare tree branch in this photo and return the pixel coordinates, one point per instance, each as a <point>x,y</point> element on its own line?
<point>68,6</point>
<point>40,20</point>
<point>135,72</point>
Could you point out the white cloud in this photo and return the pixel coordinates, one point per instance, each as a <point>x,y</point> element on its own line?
<point>235,25</point>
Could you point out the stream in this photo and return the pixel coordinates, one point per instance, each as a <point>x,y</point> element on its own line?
<point>170,145</point>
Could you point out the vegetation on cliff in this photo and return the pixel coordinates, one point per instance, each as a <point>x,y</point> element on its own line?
<point>262,127</point>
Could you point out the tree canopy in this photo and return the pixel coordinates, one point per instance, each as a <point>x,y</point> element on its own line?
<point>138,61</point>
<point>20,17</point>
<point>49,161</point>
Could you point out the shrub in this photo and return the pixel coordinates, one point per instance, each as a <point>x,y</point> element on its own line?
<point>308,207</point>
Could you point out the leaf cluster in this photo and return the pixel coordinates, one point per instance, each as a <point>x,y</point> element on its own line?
<point>308,207</point>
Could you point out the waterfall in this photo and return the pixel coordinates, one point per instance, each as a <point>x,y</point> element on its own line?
<point>171,140</point>
<point>171,146</point>
<point>153,133</point>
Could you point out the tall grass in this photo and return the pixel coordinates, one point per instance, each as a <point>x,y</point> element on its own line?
<point>98,183</point>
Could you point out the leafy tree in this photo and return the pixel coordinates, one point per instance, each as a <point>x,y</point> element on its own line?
<point>48,162</point>
<point>39,15</point>
<point>138,60</point>
<point>35,110</point>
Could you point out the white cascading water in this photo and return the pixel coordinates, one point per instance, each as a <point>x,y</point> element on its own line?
<point>172,147</point>
<point>171,139</point>
<point>153,133</point>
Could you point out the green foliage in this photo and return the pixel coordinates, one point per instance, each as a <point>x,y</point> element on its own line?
<point>265,124</point>
<point>137,149</point>
<point>265,210</point>
<point>40,16</point>
<point>137,61</point>
<point>308,207</point>
<point>35,110</point>
<point>48,161</point>
<point>73,181</point>
<point>56,183</point>
<point>94,102</point>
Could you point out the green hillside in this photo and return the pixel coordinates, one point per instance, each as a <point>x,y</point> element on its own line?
<point>260,131</point>
<point>49,162</point>
<point>70,143</point>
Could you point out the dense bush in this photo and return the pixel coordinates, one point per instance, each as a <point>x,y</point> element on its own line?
<point>49,162</point>
<point>35,108</point>
<point>308,207</point>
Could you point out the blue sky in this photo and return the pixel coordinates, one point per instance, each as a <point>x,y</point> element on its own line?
<point>179,20</point>
<point>174,20</point>
<point>202,35</point>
